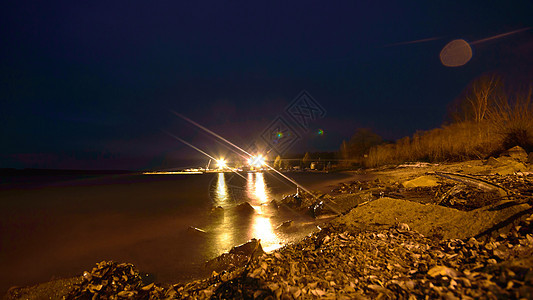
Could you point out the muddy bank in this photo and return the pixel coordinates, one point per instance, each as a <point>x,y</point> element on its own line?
<point>430,220</point>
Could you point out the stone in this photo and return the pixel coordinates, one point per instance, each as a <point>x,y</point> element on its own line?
<point>422,181</point>
<point>492,161</point>
<point>517,153</point>
<point>217,210</point>
<point>111,280</point>
<point>252,247</point>
<point>509,168</point>
<point>274,204</point>
<point>245,208</point>
<point>402,227</point>
<point>236,257</point>
<point>196,230</point>
<point>285,225</point>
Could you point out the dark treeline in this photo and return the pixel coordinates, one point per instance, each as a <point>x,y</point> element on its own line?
<point>314,160</point>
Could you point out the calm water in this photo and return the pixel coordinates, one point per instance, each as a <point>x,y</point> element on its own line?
<point>60,229</point>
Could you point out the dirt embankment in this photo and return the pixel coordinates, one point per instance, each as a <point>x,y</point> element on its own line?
<point>430,220</point>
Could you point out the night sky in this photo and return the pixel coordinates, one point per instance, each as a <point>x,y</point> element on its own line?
<point>93,85</point>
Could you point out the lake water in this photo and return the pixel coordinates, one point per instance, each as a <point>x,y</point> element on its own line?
<point>52,229</point>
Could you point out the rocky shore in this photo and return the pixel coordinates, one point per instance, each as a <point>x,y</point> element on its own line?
<point>417,231</point>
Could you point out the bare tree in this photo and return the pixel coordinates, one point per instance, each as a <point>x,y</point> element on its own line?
<point>478,98</point>
<point>484,93</point>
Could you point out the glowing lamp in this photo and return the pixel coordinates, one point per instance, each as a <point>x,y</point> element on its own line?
<point>221,163</point>
<point>256,161</point>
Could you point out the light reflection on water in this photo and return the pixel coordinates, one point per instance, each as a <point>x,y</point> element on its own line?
<point>234,224</point>
<point>222,189</point>
<point>257,188</point>
<point>262,229</point>
<point>131,218</point>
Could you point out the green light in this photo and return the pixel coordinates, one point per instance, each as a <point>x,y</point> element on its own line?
<point>280,135</point>
<point>320,132</point>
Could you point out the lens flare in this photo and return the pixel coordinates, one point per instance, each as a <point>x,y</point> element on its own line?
<point>456,53</point>
<point>221,164</point>
<point>257,161</point>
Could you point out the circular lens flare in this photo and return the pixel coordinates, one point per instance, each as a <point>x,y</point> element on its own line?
<point>456,53</point>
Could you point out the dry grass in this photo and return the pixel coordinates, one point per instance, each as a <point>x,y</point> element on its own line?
<point>512,120</point>
<point>509,122</point>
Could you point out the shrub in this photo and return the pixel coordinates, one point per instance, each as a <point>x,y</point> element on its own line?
<point>512,120</point>
<point>508,122</point>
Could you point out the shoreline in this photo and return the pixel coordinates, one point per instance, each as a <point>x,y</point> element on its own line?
<point>51,286</point>
<point>341,235</point>
<point>62,258</point>
<point>326,186</point>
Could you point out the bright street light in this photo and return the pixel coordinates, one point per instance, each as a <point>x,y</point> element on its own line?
<point>221,163</point>
<point>257,161</point>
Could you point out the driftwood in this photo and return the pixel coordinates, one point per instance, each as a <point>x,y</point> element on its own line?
<point>475,182</point>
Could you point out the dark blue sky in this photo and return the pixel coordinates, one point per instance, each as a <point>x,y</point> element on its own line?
<point>91,85</point>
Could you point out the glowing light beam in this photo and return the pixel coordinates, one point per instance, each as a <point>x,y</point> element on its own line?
<point>209,131</point>
<point>414,42</point>
<point>199,150</point>
<point>190,145</point>
<point>499,35</point>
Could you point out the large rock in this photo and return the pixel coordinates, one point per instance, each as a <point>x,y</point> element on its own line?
<point>508,167</point>
<point>217,209</point>
<point>245,208</point>
<point>285,225</point>
<point>430,220</point>
<point>516,153</point>
<point>252,247</point>
<point>509,162</point>
<point>422,181</point>
<point>237,256</point>
<point>492,162</point>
